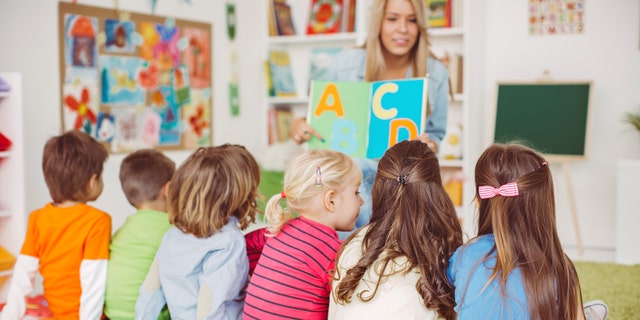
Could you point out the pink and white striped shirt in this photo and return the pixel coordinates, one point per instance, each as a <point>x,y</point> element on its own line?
<point>292,280</point>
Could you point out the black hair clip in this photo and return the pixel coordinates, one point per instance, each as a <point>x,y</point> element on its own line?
<point>402,180</point>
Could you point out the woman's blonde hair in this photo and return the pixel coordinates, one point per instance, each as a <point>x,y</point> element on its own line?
<point>211,186</point>
<point>420,51</point>
<point>308,175</point>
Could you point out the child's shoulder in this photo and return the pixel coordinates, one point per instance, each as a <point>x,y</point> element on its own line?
<point>475,248</point>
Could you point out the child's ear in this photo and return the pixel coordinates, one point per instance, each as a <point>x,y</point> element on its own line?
<point>92,182</point>
<point>164,192</point>
<point>329,201</point>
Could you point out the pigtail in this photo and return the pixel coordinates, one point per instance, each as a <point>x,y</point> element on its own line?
<point>276,215</point>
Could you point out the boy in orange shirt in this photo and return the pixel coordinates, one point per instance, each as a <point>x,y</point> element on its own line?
<point>66,240</point>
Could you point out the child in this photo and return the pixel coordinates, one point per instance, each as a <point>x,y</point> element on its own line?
<point>292,276</point>
<point>515,268</point>
<point>395,267</point>
<point>67,240</point>
<point>144,176</point>
<point>201,267</point>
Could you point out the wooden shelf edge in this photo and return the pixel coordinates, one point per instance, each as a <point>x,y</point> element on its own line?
<point>446,32</point>
<point>316,38</point>
<point>287,100</point>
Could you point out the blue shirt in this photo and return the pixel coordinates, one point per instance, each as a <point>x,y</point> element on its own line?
<point>207,275</point>
<point>349,65</point>
<point>469,272</point>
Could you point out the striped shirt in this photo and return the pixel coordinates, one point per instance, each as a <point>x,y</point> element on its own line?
<point>292,279</point>
<point>255,241</point>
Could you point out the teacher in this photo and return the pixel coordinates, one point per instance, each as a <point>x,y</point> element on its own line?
<point>397,47</point>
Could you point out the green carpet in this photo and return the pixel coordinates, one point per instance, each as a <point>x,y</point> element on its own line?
<point>617,285</point>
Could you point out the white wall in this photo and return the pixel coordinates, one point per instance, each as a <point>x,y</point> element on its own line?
<point>608,52</point>
<point>29,45</point>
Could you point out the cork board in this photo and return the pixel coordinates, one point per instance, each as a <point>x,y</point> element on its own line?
<point>133,80</point>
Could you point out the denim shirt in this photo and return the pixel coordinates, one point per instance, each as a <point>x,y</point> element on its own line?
<point>206,275</point>
<point>349,65</point>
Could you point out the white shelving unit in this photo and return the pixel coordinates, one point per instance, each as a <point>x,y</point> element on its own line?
<point>13,218</point>
<point>443,40</point>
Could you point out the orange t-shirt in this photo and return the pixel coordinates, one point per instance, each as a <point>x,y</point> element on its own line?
<point>61,238</point>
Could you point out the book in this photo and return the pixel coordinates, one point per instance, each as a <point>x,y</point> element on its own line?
<point>348,16</point>
<point>271,18</point>
<point>320,62</point>
<point>438,13</point>
<point>364,119</point>
<point>280,120</point>
<point>283,19</point>
<point>281,73</point>
<point>325,16</point>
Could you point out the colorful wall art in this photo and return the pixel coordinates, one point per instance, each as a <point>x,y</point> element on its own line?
<point>135,81</point>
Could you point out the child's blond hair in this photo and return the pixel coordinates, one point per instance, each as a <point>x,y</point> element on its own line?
<point>211,186</point>
<point>308,175</point>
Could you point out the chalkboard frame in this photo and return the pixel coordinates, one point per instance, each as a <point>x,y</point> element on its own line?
<point>556,154</point>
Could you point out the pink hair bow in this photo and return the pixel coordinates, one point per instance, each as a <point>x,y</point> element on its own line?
<point>506,190</point>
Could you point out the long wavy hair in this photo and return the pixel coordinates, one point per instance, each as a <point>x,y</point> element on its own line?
<point>415,220</point>
<point>421,50</point>
<point>524,228</point>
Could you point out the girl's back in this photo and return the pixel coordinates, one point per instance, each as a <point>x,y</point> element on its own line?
<point>292,277</point>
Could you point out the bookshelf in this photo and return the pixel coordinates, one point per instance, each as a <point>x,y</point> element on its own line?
<point>13,218</point>
<point>445,40</point>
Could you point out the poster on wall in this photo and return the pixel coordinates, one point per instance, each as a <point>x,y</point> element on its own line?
<point>556,16</point>
<point>135,81</point>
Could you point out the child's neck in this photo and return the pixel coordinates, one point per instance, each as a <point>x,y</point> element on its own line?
<point>156,205</point>
<point>66,203</point>
<point>319,218</point>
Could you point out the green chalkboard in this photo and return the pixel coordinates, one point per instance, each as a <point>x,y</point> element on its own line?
<point>549,117</point>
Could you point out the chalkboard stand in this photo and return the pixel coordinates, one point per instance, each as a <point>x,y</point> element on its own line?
<point>572,205</point>
<point>565,106</point>
<point>566,171</point>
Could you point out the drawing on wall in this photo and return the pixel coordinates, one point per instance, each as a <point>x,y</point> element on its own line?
<point>556,16</point>
<point>140,83</point>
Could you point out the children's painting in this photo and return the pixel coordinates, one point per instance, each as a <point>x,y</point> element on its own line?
<point>547,17</point>
<point>140,83</point>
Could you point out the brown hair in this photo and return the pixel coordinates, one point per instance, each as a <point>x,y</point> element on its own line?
<point>143,174</point>
<point>524,228</point>
<point>68,163</point>
<point>300,183</point>
<point>211,186</point>
<point>413,217</point>
<point>421,50</point>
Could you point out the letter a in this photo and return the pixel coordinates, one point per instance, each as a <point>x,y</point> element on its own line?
<point>331,90</point>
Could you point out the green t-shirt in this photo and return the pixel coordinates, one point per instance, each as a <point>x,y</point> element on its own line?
<point>132,250</point>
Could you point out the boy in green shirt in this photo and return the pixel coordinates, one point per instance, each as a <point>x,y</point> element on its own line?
<point>144,176</point>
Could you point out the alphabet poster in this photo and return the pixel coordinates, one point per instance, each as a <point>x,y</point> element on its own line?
<point>135,81</point>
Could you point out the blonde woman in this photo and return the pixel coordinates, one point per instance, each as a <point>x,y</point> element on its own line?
<point>397,47</point>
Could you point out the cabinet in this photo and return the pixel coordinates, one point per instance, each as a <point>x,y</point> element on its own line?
<point>13,219</point>
<point>452,41</point>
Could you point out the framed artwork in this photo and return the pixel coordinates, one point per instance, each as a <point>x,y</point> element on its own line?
<point>135,81</point>
<point>548,17</point>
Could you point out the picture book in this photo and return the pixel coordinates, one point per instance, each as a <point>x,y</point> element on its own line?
<point>438,13</point>
<point>280,118</point>
<point>281,73</point>
<point>283,19</point>
<point>325,16</point>
<point>364,119</point>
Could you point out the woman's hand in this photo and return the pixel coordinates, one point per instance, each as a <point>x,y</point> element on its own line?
<point>432,144</point>
<point>301,132</point>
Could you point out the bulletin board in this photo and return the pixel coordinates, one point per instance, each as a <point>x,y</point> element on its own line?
<point>133,80</point>
<point>549,117</point>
